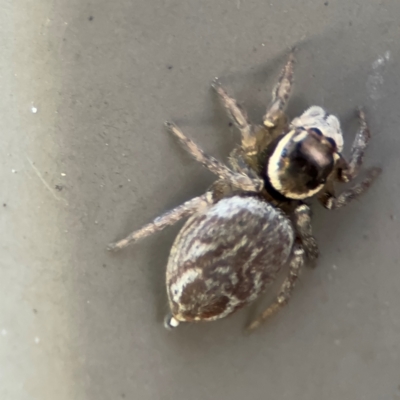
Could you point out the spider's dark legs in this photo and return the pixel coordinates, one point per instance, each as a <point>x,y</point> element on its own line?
<point>238,180</point>
<point>280,94</point>
<point>351,170</point>
<point>296,263</point>
<point>344,198</point>
<point>357,150</point>
<point>169,218</point>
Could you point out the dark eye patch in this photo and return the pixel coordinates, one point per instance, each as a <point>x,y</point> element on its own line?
<point>331,141</point>
<point>284,153</point>
<point>316,130</point>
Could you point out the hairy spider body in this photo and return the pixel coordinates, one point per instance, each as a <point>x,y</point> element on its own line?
<point>253,220</point>
<point>210,273</point>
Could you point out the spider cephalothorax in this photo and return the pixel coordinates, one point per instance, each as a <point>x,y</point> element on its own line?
<point>302,159</point>
<point>252,220</point>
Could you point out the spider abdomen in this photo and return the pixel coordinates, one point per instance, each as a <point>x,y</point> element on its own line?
<point>224,257</point>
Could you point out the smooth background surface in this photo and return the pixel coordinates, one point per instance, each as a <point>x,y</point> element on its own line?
<point>77,323</point>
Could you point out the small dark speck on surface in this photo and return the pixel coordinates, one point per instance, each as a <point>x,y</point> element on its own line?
<point>326,3</point>
<point>59,187</point>
<point>4,205</point>
<point>170,66</point>
<point>121,186</point>
<point>35,311</point>
<point>90,18</point>
<point>104,265</point>
<point>230,124</point>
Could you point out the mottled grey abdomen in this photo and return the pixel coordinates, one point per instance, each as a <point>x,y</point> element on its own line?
<point>224,257</point>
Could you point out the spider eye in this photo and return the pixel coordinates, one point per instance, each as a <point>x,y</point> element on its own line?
<point>316,130</point>
<point>331,141</point>
<point>284,153</point>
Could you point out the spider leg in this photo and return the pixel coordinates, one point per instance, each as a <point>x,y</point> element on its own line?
<point>296,263</point>
<point>240,163</point>
<point>239,180</point>
<point>169,218</point>
<point>331,202</point>
<point>238,116</point>
<point>357,150</point>
<point>302,222</point>
<point>280,94</point>
<point>351,169</point>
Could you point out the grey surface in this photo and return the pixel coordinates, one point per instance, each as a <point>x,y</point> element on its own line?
<point>79,323</point>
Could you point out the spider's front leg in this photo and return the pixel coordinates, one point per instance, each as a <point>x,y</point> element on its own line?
<point>280,94</point>
<point>239,180</point>
<point>348,171</point>
<point>351,170</point>
<point>239,117</point>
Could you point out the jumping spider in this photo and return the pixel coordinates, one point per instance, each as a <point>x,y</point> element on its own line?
<point>253,220</point>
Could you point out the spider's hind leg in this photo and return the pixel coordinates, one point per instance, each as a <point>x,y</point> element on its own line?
<point>296,263</point>
<point>167,219</point>
<point>306,248</point>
